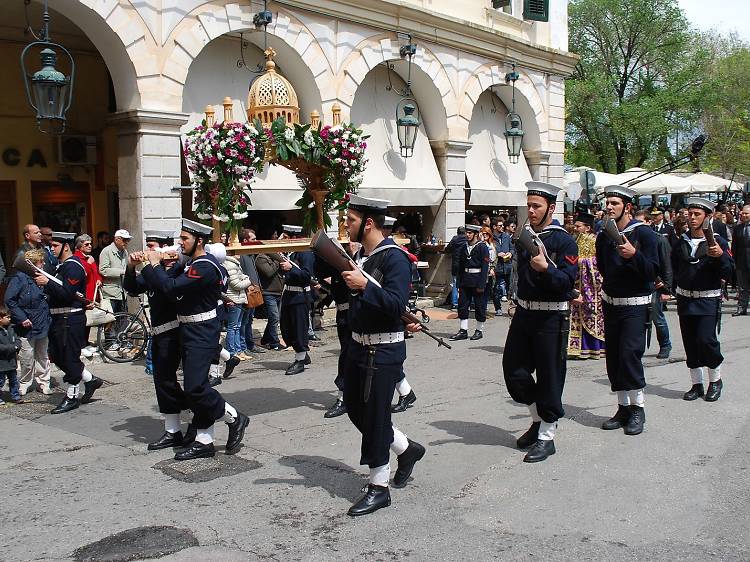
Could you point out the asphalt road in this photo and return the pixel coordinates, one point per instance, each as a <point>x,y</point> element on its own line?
<point>82,485</point>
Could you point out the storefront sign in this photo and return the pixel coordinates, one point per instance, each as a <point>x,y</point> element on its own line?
<point>12,157</point>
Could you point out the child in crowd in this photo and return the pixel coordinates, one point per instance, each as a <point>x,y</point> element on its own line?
<point>10,344</point>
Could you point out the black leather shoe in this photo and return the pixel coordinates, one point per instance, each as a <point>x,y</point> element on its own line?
<point>460,335</point>
<point>66,405</point>
<point>257,349</point>
<point>214,381</point>
<point>236,433</point>
<point>636,421</point>
<point>375,498</point>
<point>167,440</point>
<point>275,347</point>
<point>620,419</point>
<point>714,391</point>
<point>664,352</point>
<point>89,388</point>
<point>406,461</point>
<point>476,336</point>
<point>229,366</point>
<point>296,368</point>
<point>695,392</point>
<point>540,451</point>
<point>307,359</point>
<point>314,337</point>
<point>404,402</point>
<point>530,437</point>
<point>196,451</point>
<point>189,437</point>
<point>338,409</point>
<point>740,313</point>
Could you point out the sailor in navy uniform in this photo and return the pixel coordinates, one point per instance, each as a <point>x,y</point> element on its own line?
<point>165,339</point>
<point>196,291</point>
<point>473,269</point>
<point>377,350</point>
<point>629,271</point>
<point>295,302</point>
<point>699,270</point>
<point>538,335</point>
<point>67,333</point>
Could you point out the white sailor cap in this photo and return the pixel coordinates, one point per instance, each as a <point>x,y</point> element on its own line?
<point>700,203</point>
<point>196,228</point>
<point>159,236</point>
<point>473,227</point>
<point>291,228</point>
<point>368,204</point>
<point>64,237</point>
<point>627,194</point>
<point>542,189</point>
<point>389,222</point>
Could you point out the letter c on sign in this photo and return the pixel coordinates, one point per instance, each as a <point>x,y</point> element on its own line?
<point>11,157</point>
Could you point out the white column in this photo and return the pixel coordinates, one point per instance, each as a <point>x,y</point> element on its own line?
<point>148,168</point>
<point>450,157</point>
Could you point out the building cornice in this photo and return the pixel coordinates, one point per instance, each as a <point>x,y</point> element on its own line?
<point>426,25</point>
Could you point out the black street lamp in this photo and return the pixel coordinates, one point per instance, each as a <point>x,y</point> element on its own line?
<point>513,122</point>
<point>48,90</point>
<point>407,109</point>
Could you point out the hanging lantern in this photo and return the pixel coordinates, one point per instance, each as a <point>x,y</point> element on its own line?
<point>407,125</point>
<point>513,122</point>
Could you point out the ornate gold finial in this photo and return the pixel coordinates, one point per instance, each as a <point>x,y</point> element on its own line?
<point>210,115</point>
<point>314,119</point>
<point>269,54</point>
<point>272,96</point>
<point>336,110</point>
<point>227,103</point>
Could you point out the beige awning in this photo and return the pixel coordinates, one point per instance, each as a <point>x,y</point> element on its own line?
<point>275,189</point>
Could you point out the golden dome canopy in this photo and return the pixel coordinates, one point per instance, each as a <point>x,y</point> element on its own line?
<point>272,96</point>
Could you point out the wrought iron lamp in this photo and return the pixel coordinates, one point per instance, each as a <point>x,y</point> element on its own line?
<point>48,90</point>
<point>407,109</point>
<point>513,121</point>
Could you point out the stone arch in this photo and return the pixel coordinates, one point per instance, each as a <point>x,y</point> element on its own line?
<point>120,35</point>
<point>529,103</point>
<point>430,83</point>
<point>298,50</point>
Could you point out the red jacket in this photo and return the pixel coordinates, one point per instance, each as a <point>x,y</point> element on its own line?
<point>92,273</point>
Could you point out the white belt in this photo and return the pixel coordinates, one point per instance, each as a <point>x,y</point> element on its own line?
<point>64,310</point>
<point>296,289</point>
<point>156,330</point>
<point>375,339</point>
<point>543,305</point>
<point>193,318</point>
<point>626,301</point>
<point>473,270</point>
<point>711,293</point>
<point>343,306</point>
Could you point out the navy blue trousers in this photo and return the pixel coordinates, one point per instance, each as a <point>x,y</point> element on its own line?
<point>67,337</point>
<point>165,353</point>
<point>295,319</point>
<point>625,335</point>
<point>701,344</point>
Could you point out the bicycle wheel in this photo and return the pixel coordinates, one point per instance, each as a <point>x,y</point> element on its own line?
<point>123,340</point>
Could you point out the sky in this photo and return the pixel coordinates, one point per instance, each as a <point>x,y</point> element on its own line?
<point>723,15</point>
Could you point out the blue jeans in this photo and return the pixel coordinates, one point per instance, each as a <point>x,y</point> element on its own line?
<point>234,344</point>
<point>273,306</point>
<point>246,329</point>
<point>149,358</point>
<point>660,322</point>
<point>454,291</point>
<point>12,376</point>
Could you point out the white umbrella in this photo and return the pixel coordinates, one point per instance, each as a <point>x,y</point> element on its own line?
<point>707,183</point>
<point>654,185</point>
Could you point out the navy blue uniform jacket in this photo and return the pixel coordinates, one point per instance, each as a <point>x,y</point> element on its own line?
<point>73,277</point>
<point>299,277</point>
<point>163,308</point>
<point>699,273</point>
<point>634,277</point>
<point>474,257</point>
<point>555,284</point>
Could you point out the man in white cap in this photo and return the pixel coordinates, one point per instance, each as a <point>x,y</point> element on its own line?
<point>537,341</point>
<point>473,270</point>
<point>112,263</point>
<point>700,267</point>
<point>627,254</point>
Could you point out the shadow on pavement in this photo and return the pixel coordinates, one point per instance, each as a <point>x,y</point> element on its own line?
<point>141,429</point>
<point>257,401</point>
<point>583,416</point>
<point>664,392</point>
<point>473,433</point>
<point>336,478</point>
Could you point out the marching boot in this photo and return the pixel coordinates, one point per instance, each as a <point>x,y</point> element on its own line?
<point>296,368</point>
<point>236,433</point>
<point>229,366</point>
<point>196,451</point>
<point>190,434</point>
<point>540,451</point>
<point>664,352</point>
<point>375,497</point>
<point>66,405</point>
<point>307,359</point>
<point>165,441</point>
<point>695,392</point>
<point>338,409</point>
<point>406,461</point>
<point>89,388</point>
<point>620,419</point>
<point>214,381</point>
<point>530,437</point>
<point>714,391</point>
<point>460,335</point>
<point>404,402</point>
<point>477,335</point>
<point>636,421</point>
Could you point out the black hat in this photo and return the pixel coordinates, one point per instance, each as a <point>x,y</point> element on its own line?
<point>64,237</point>
<point>585,218</point>
<point>627,194</point>
<point>700,203</point>
<point>368,205</point>
<point>160,236</point>
<point>197,229</point>
<point>543,189</point>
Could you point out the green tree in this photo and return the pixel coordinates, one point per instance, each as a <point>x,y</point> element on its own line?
<point>642,76</point>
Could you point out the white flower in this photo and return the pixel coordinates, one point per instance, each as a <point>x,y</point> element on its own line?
<point>288,134</point>
<point>333,152</point>
<point>308,137</point>
<point>212,175</point>
<point>220,218</point>
<point>239,216</point>
<point>203,216</point>
<point>346,135</point>
<point>354,162</point>
<point>253,131</point>
<point>228,161</point>
<point>223,143</point>
<point>336,129</point>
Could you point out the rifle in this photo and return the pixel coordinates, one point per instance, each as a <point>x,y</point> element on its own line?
<point>612,232</point>
<point>333,253</point>
<point>708,232</point>
<point>530,241</point>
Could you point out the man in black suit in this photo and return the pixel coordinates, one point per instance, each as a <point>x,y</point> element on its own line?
<point>741,253</point>
<point>662,227</point>
<point>456,247</point>
<point>719,226</point>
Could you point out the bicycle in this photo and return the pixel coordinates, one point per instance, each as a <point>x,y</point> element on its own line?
<point>126,338</point>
